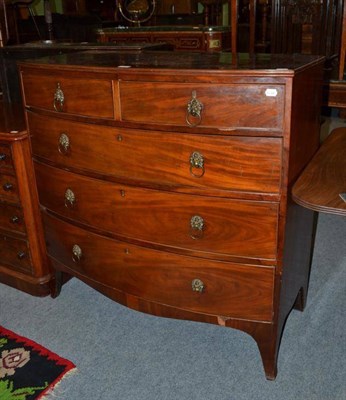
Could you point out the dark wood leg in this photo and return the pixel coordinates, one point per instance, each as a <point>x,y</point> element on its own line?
<point>300,302</point>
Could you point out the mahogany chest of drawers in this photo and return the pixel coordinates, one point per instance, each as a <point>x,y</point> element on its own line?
<point>23,260</point>
<point>164,181</point>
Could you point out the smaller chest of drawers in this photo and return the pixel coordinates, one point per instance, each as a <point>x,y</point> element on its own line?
<point>23,261</point>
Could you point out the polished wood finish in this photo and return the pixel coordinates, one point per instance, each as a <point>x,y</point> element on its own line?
<point>129,226</point>
<point>323,182</point>
<point>24,264</point>
<point>342,54</point>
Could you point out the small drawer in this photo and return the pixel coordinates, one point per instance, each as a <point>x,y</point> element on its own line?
<point>8,188</point>
<point>5,158</point>
<point>11,218</point>
<point>237,105</point>
<point>194,284</point>
<point>15,253</point>
<point>180,161</point>
<point>222,226</point>
<point>72,95</point>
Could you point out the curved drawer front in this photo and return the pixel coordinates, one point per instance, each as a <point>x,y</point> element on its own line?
<point>15,253</point>
<point>228,289</point>
<point>5,158</point>
<point>178,160</point>
<point>55,92</point>
<point>11,218</point>
<point>8,188</point>
<point>210,105</point>
<point>206,224</point>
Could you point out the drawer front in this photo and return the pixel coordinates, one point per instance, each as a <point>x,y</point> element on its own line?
<point>221,106</point>
<point>15,253</point>
<point>200,223</point>
<point>178,160</point>
<point>8,188</point>
<point>11,218</point>
<point>230,290</point>
<point>55,92</point>
<point>5,158</point>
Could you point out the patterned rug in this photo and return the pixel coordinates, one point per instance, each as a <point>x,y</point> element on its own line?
<point>28,371</point>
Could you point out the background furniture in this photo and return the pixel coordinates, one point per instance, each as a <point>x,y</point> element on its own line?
<point>24,264</point>
<point>164,181</point>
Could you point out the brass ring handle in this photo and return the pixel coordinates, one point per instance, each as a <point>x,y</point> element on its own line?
<point>59,99</point>
<point>194,111</point>
<point>76,253</point>
<point>2,157</point>
<point>15,219</point>
<point>197,285</point>
<point>64,144</point>
<point>70,198</point>
<point>197,164</point>
<point>21,255</point>
<point>197,227</point>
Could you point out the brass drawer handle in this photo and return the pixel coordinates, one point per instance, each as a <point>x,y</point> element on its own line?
<point>2,157</point>
<point>21,255</point>
<point>76,253</point>
<point>194,111</point>
<point>59,99</point>
<point>197,285</point>
<point>64,144</point>
<point>197,164</point>
<point>197,227</point>
<point>7,187</point>
<point>70,198</point>
<point>15,219</point>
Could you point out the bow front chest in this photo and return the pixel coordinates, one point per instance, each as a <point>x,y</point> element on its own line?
<point>164,180</point>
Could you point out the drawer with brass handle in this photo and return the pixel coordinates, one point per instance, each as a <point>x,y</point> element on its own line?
<point>15,253</point>
<point>222,226</point>
<point>183,162</point>
<point>69,94</point>
<point>238,105</point>
<point>218,288</point>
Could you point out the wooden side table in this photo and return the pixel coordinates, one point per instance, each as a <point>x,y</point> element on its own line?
<point>322,186</point>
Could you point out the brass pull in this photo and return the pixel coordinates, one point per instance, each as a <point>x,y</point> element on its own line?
<point>194,110</point>
<point>70,198</point>
<point>197,285</point>
<point>64,144</point>
<point>76,253</point>
<point>7,187</point>
<point>197,226</point>
<point>197,164</point>
<point>21,255</point>
<point>59,99</point>
<point>2,157</point>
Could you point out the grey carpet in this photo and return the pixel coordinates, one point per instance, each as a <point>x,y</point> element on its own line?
<point>127,355</point>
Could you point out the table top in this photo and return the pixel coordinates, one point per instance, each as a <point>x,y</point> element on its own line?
<point>322,185</point>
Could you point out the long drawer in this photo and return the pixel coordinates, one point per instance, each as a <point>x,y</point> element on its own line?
<point>205,105</point>
<point>201,223</point>
<point>11,218</point>
<point>178,160</point>
<point>193,284</point>
<point>15,252</point>
<point>69,94</point>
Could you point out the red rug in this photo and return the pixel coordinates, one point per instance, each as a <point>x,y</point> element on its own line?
<point>28,371</point>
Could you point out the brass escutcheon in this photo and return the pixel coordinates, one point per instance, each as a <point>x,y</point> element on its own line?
<point>197,226</point>
<point>70,198</point>
<point>76,253</point>
<point>194,110</point>
<point>197,285</point>
<point>197,164</point>
<point>59,98</point>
